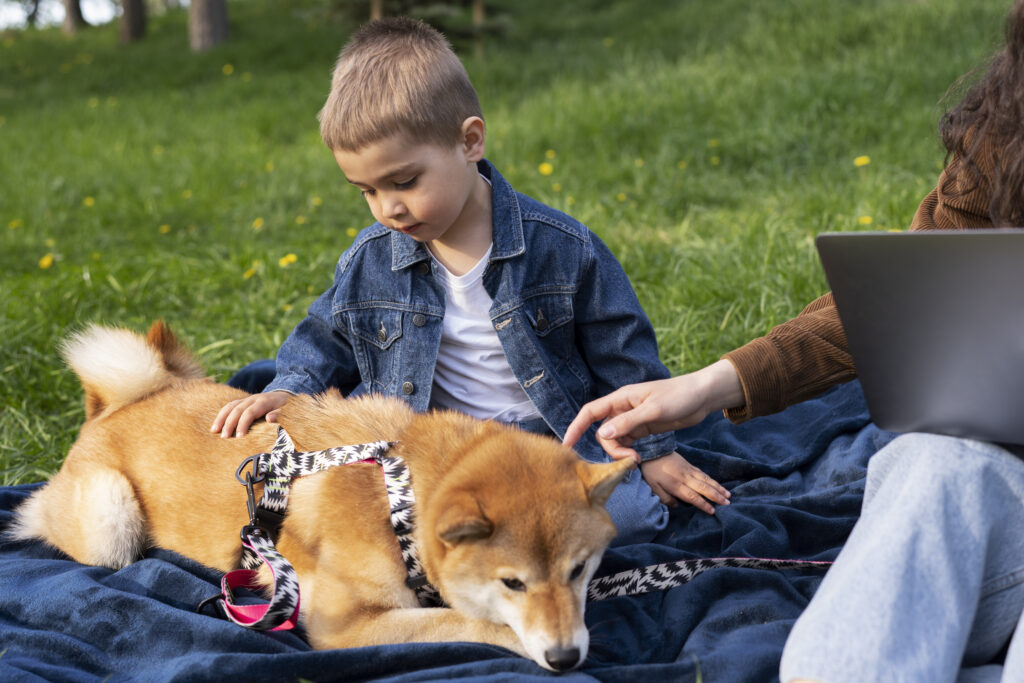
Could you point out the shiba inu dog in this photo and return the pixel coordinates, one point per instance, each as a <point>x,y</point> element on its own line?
<point>510,526</point>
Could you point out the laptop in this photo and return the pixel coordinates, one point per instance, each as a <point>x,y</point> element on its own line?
<point>935,325</point>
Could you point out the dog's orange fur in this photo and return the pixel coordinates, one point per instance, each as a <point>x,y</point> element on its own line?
<point>493,504</point>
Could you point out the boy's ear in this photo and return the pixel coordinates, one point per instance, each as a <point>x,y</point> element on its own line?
<point>474,133</point>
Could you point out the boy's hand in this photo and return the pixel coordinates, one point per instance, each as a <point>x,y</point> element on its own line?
<point>638,410</point>
<point>235,418</point>
<point>673,479</point>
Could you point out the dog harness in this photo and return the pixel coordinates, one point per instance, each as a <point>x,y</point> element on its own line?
<point>276,470</point>
<point>283,463</point>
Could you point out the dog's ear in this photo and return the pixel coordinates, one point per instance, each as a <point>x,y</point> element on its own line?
<point>600,480</point>
<point>462,521</point>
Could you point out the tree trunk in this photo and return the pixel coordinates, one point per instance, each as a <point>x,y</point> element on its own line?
<point>73,19</point>
<point>133,20</point>
<point>376,9</point>
<point>207,24</point>
<point>478,28</point>
<point>31,13</point>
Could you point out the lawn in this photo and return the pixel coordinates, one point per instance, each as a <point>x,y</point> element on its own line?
<point>706,141</point>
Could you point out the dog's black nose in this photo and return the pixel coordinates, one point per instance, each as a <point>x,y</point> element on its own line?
<point>562,658</point>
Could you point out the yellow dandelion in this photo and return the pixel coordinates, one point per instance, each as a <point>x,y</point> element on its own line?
<point>15,224</point>
<point>94,102</point>
<point>287,260</point>
<point>300,219</point>
<point>286,308</point>
<point>546,168</point>
<point>95,256</point>
<point>621,196</point>
<point>550,154</point>
<point>186,194</point>
<point>227,69</point>
<point>681,165</point>
<point>269,166</point>
<point>316,201</point>
<point>863,160</point>
<point>257,223</point>
<point>557,187</point>
<point>89,201</point>
<point>570,200</point>
<point>351,232</point>
<point>638,162</point>
<point>164,229</point>
<point>50,242</point>
<point>158,150</point>
<point>865,220</point>
<point>714,142</point>
<point>251,272</point>
<point>608,41</point>
<point>715,161</point>
<point>46,261</point>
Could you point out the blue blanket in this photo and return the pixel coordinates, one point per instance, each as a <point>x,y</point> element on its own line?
<point>797,480</point>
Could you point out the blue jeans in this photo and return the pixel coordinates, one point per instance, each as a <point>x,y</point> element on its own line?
<point>633,506</point>
<point>930,585</point>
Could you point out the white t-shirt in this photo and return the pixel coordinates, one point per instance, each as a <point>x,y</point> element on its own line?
<point>472,374</point>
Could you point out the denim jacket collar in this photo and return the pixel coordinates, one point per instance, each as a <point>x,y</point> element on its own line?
<point>506,222</point>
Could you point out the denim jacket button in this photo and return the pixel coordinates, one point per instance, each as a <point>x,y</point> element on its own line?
<point>408,388</point>
<point>423,268</point>
<point>419,320</point>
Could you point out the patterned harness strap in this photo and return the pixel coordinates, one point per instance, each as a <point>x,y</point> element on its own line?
<point>657,577</point>
<point>277,469</point>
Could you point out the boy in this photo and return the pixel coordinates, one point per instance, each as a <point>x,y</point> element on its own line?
<point>465,295</point>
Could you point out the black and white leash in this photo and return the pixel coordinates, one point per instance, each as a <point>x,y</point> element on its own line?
<point>283,463</point>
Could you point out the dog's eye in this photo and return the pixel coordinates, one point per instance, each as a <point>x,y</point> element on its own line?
<point>577,571</point>
<point>514,584</point>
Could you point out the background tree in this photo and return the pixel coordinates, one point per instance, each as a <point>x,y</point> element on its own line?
<point>133,20</point>
<point>207,24</point>
<point>73,19</point>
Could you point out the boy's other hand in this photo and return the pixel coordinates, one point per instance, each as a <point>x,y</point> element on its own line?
<point>235,418</point>
<point>673,479</point>
<point>638,410</point>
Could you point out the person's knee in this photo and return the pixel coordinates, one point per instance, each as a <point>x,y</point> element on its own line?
<point>636,511</point>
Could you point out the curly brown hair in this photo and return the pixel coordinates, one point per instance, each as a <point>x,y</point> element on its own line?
<point>987,127</point>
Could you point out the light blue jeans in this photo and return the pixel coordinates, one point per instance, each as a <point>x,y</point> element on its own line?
<point>930,585</point>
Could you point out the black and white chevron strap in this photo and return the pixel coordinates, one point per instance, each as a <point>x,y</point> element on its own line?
<point>657,577</point>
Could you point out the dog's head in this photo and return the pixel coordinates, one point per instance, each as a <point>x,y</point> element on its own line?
<point>518,532</point>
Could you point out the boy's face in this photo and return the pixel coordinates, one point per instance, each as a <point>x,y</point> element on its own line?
<point>421,190</point>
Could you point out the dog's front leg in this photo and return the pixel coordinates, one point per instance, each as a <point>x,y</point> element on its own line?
<point>406,625</point>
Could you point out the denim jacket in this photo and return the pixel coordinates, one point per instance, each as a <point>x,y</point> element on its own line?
<point>564,311</point>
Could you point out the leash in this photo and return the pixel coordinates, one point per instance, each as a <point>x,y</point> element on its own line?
<point>659,577</point>
<point>283,463</point>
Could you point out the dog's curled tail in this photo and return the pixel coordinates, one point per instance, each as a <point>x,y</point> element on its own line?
<point>117,366</point>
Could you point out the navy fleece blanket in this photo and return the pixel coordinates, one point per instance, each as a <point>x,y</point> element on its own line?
<point>797,480</point>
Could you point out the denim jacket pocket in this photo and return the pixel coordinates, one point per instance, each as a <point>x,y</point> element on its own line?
<point>548,312</point>
<point>375,337</point>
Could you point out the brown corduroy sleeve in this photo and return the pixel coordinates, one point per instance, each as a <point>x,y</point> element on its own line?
<point>807,355</point>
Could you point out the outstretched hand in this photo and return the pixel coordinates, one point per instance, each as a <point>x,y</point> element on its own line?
<point>673,479</point>
<point>638,410</point>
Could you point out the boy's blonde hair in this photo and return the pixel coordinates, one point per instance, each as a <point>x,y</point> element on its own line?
<point>397,76</point>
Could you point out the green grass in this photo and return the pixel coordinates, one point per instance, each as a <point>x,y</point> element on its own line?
<point>705,141</point>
